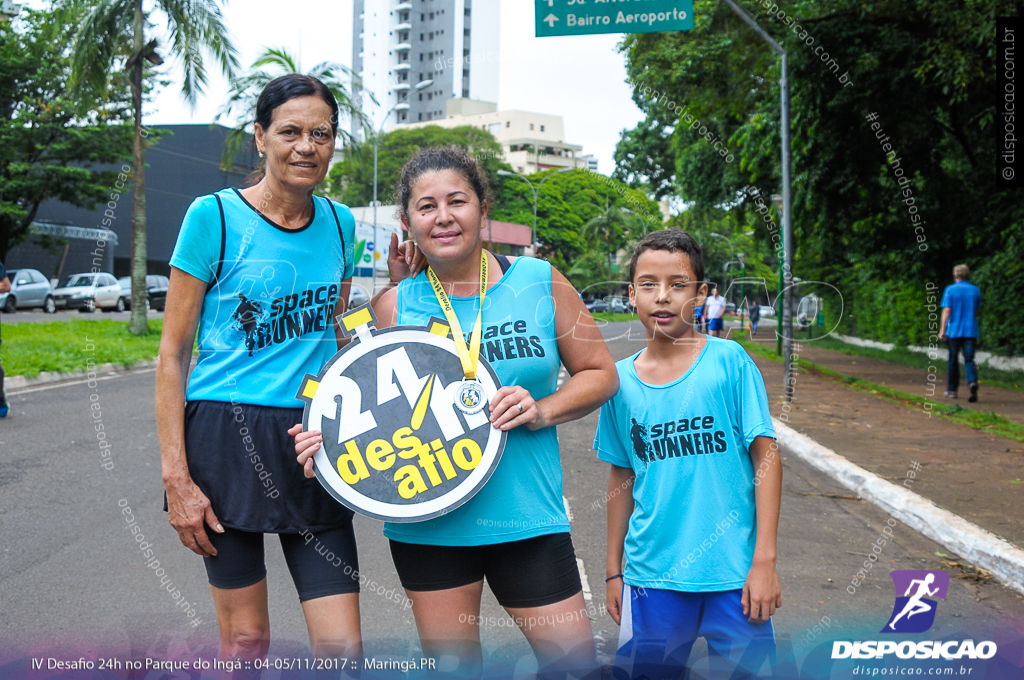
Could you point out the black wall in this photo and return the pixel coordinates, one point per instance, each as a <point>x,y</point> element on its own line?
<point>179,167</point>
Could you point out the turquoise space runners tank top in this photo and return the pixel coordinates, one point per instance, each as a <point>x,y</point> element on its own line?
<point>523,498</point>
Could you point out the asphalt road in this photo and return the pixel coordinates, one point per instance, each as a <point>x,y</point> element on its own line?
<point>72,580</point>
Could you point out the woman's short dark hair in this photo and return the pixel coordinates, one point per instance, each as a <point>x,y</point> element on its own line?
<point>284,89</point>
<point>292,86</point>
<point>674,241</point>
<point>436,159</point>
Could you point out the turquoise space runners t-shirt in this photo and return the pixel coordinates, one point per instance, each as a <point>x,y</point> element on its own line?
<point>523,498</point>
<point>267,315</point>
<point>693,527</point>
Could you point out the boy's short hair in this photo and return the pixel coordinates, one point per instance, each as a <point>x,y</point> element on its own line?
<point>961,271</point>
<point>674,241</point>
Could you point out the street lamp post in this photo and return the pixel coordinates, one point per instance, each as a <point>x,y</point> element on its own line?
<point>739,258</point>
<point>536,194</point>
<point>778,202</point>
<point>376,145</point>
<point>743,288</point>
<point>725,267</point>
<point>786,311</point>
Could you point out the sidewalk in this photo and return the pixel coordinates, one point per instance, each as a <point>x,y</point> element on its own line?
<point>1006,403</point>
<point>975,475</point>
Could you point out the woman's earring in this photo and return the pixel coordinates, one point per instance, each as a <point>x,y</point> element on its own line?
<point>261,154</point>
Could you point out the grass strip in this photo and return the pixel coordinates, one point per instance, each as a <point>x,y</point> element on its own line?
<point>987,421</point>
<point>1007,380</point>
<point>28,349</point>
<point>609,316</point>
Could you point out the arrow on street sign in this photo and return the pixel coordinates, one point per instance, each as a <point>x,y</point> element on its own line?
<point>575,17</point>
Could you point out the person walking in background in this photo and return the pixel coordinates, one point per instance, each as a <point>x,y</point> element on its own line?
<point>714,310</point>
<point>698,319</point>
<point>959,328</point>
<point>5,286</point>
<point>754,312</point>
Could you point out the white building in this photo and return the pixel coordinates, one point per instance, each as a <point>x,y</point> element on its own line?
<point>398,44</point>
<point>531,141</point>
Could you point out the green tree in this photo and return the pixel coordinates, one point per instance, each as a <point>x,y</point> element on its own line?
<point>566,203</point>
<point>609,230</point>
<point>589,273</point>
<point>925,67</point>
<point>114,31</point>
<point>51,142</point>
<point>271,64</point>
<point>351,179</point>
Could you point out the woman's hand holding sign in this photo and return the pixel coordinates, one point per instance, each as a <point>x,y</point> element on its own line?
<point>513,406</point>
<point>306,446</point>
<point>510,408</point>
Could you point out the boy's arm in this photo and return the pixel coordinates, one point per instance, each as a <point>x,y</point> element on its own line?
<point>762,594</point>
<point>620,508</point>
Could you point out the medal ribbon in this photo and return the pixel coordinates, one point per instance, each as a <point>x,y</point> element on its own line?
<point>469,356</point>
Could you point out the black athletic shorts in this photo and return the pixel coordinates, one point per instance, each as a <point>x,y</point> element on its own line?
<point>322,563</point>
<point>530,573</point>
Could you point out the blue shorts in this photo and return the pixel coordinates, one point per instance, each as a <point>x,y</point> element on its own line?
<point>716,324</point>
<point>659,628</point>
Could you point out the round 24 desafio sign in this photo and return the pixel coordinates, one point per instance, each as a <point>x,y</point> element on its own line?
<point>395,447</point>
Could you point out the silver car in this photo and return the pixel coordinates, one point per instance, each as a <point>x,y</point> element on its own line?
<point>86,292</point>
<point>29,290</point>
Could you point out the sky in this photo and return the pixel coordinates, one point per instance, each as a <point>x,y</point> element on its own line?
<point>581,78</point>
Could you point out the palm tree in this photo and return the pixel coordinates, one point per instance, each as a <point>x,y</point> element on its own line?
<point>113,31</point>
<point>612,225</point>
<point>245,90</point>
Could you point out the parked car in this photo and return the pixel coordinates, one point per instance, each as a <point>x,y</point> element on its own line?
<point>767,311</point>
<point>357,296</point>
<point>29,290</point>
<point>156,292</point>
<point>614,305</point>
<point>620,306</point>
<point>86,292</point>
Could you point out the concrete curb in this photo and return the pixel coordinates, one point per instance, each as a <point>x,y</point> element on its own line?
<point>16,382</point>
<point>969,541</point>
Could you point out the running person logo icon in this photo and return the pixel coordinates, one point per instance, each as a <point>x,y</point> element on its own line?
<point>914,612</point>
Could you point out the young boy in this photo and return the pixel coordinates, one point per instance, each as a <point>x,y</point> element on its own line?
<point>689,431</point>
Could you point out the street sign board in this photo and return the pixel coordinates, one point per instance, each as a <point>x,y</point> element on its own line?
<point>585,17</point>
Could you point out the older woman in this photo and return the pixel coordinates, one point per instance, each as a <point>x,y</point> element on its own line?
<point>262,272</point>
<point>514,532</point>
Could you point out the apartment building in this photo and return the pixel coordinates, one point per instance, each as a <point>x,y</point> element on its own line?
<point>399,44</point>
<point>531,141</point>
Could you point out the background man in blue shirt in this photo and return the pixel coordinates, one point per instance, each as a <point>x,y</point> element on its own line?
<point>959,328</point>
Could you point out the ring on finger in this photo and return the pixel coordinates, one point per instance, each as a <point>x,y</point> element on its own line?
<point>520,408</point>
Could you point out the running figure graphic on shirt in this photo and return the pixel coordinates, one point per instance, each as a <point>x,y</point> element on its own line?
<point>914,604</point>
<point>642,448</point>
<point>245,314</point>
